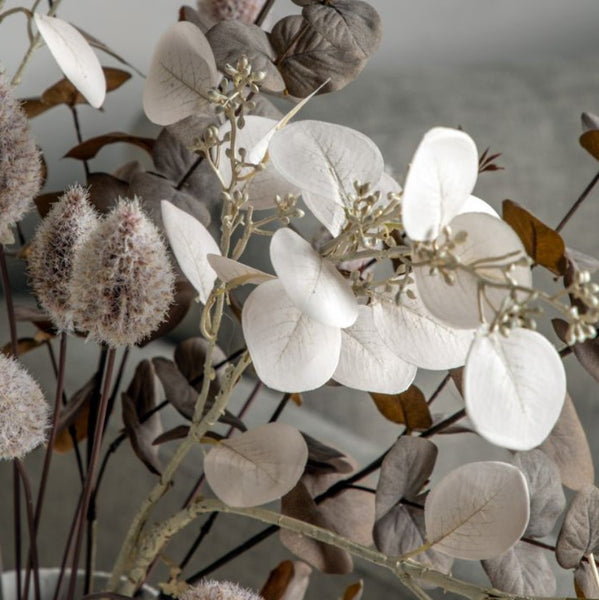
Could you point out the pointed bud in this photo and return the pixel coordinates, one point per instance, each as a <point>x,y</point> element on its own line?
<point>218,590</point>
<point>20,165</point>
<point>122,281</point>
<point>238,10</point>
<point>53,248</point>
<point>23,411</point>
<point>590,121</point>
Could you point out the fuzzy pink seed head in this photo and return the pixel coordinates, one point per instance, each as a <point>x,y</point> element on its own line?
<point>123,282</point>
<point>24,414</point>
<point>218,590</point>
<point>52,251</point>
<point>20,164</point>
<point>239,10</point>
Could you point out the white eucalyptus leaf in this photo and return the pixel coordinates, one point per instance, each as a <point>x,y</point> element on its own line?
<point>257,466</point>
<point>365,362</point>
<point>411,332</point>
<point>181,73</point>
<point>191,243</point>
<point>327,211</point>
<point>487,238</point>
<point>442,175</point>
<point>235,273</point>
<point>523,571</point>
<point>325,160</point>
<point>74,56</point>
<point>312,282</point>
<point>477,511</point>
<point>291,352</point>
<point>477,205</point>
<point>514,387</point>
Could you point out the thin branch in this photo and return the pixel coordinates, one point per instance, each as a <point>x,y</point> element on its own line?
<point>264,12</point>
<point>578,203</point>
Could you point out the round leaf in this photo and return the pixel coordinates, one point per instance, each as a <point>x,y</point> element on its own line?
<point>441,177</point>
<point>291,352</point>
<point>312,282</point>
<point>514,388</point>
<point>258,466</point>
<point>478,510</point>
<point>181,73</point>
<point>74,56</point>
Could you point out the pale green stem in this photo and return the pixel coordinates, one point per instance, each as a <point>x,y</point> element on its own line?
<point>594,568</point>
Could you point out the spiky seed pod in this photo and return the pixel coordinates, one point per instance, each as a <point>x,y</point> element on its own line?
<point>56,241</point>
<point>218,590</point>
<point>122,282</point>
<point>239,10</point>
<point>24,414</point>
<point>20,164</point>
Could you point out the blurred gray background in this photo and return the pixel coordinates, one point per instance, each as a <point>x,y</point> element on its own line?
<point>515,75</point>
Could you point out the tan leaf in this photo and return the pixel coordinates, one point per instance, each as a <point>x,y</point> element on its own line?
<point>408,408</point>
<point>354,591</point>
<point>24,345</point>
<point>89,148</point>
<point>544,245</point>
<point>589,140</point>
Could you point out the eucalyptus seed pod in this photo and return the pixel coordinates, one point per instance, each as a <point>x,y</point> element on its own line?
<point>218,590</point>
<point>20,164</point>
<point>56,241</point>
<point>122,283</point>
<point>239,10</point>
<point>24,414</point>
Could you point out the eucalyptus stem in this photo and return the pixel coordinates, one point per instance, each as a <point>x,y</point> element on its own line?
<point>577,203</point>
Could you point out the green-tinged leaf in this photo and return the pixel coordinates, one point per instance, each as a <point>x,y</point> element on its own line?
<point>408,408</point>
<point>88,149</point>
<point>544,245</point>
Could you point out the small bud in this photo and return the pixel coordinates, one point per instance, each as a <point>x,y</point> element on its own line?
<point>218,590</point>
<point>23,410</point>
<point>590,121</point>
<point>20,165</point>
<point>122,281</point>
<point>53,248</point>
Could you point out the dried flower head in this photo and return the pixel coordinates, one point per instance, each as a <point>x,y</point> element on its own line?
<point>53,248</point>
<point>239,10</point>
<point>23,410</point>
<point>122,282</point>
<point>218,590</point>
<point>20,165</point>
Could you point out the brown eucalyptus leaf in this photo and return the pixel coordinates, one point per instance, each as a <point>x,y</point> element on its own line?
<point>544,245</point>
<point>105,191</point>
<point>89,148</point>
<point>347,24</point>
<point>257,466</point>
<point>523,571</point>
<point>587,352</point>
<point>579,534</point>
<point>152,189</point>
<point>44,202</point>
<point>24,345</point>
<point>306,59</point>
<point>405,469</point>
<point>325,459</point>
<point>232,39</point>
<point>75,414</point>
<point>585,582</point>
<point>176,433</point>
<point>288,581</point>
<point>298,504</point>
<point>407,408</point>
<point>568,447</point>
<point>354,591</point>
<point>589,140</point>
<point>137,401</point>
<point>547,500</point>
<point>190,355</point>
<point>184,295</point>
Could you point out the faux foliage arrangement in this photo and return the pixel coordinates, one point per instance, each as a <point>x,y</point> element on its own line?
<point>400,278</point>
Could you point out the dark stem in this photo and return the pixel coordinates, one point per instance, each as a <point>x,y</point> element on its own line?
<point>222,363</point>
<point>443,424</point>
<point>95,402</point>
<point>264,12</point>
<point>10,309</point>
<point>194,165</point>
<point>91,472</point>
<point>17,526</point>
<point>204,531</point>
<point>577,204</point>
<point>439,389</point>
<point>280,408</point>
<point>33,557</point>
<point>79,137</point>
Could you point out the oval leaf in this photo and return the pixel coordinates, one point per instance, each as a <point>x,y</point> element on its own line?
<point>258,466</point>
<point>291,352</point>
<point>478,510</point>
<point>181,73</point>
<point>408,408</point>
<point>514,388</point>
<point>88,149</point>
<point>74,56</point>
<point>235,273</point>
<point>312,282</point>
<point>191,242</point>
